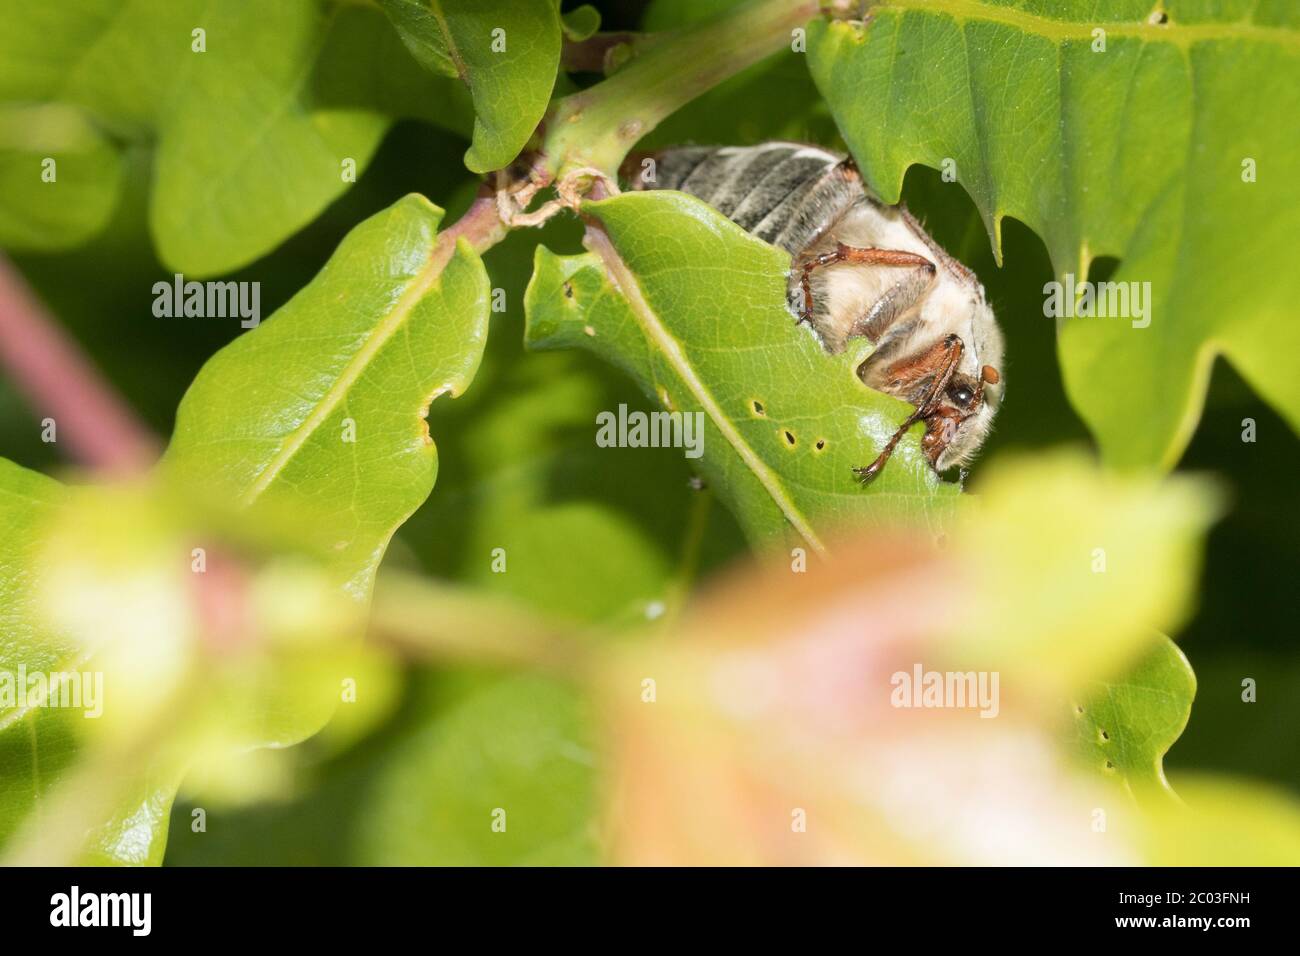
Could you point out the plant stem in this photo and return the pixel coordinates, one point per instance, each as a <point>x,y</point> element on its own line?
<point>60,383</point>
<point>425,620</point>
<point>598,126</point>
<point>588,56</point>
<point>480,226</point>
<point>697,525</point>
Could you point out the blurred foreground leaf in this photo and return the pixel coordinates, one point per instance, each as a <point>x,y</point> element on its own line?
<point>37,743</point>
<point>216,629</point>
<point>1225,821</point>
<point>786,724</point>
<point>504,777</point>
<point>1112,558</point>
<point>59,177</point>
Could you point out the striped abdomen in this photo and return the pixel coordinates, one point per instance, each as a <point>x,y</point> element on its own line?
<point>784,193</point>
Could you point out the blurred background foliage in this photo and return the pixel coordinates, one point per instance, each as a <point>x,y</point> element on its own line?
<point>605,535</point>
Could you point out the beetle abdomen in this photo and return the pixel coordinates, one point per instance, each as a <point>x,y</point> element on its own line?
<point>783,193</point>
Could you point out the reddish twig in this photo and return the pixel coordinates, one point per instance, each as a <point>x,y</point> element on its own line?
<point>49,369</point>
<point>481,226</point>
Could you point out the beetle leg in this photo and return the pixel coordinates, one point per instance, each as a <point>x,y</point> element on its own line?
<point>948,353</point>
<point>859,256</point>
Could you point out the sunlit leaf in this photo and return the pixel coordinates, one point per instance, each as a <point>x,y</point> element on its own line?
<point>1110,135</point>
<point>323,405</point>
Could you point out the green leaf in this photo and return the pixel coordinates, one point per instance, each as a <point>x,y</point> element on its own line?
<point>38,743</point>
<point>701,325</point>
<point>252,135</point>
<point>1136,153</point>
<point>521,745</point>
<point>59,175</point>
<point>315,417</point>
<point>594,535</point>
<point>1124,726</point>
<point>506,51</point>
<point>588,532</point>
<point>322,406</point>
<point>580,23</point>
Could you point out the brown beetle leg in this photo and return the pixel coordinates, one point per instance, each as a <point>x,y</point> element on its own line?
<point>857,255</point>
<point>954,347</point>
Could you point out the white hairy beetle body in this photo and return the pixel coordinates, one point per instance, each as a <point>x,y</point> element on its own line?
<point>861,268</point>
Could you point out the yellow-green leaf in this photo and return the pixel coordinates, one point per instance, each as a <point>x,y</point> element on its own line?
<point>322,406</point>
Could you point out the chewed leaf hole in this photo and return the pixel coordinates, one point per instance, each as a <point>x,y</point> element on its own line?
<point>568,290</point>
<point>758,407</point>
<point>789,437</point>
<point>1109,765</point>
<point>821,444</point>
<point>1103,735</point>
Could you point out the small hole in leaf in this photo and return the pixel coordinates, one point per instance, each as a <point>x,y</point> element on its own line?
<point>1109,765</point>
<point>568,291</point>
<point>789,437</point>
<point>1078,708</point>
<point>1103,735</point>
<point>758,407</point>
<point>821,444</point>
<point>1158,18</point>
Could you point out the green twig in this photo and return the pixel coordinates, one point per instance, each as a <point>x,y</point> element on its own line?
<point>596,127</point>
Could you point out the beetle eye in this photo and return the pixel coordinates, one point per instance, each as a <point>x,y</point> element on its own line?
<point>961,395</point>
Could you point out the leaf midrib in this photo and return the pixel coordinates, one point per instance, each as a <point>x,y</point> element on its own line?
<point>419,287</point>
<point>625,282</point>
<point>453,51</point>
